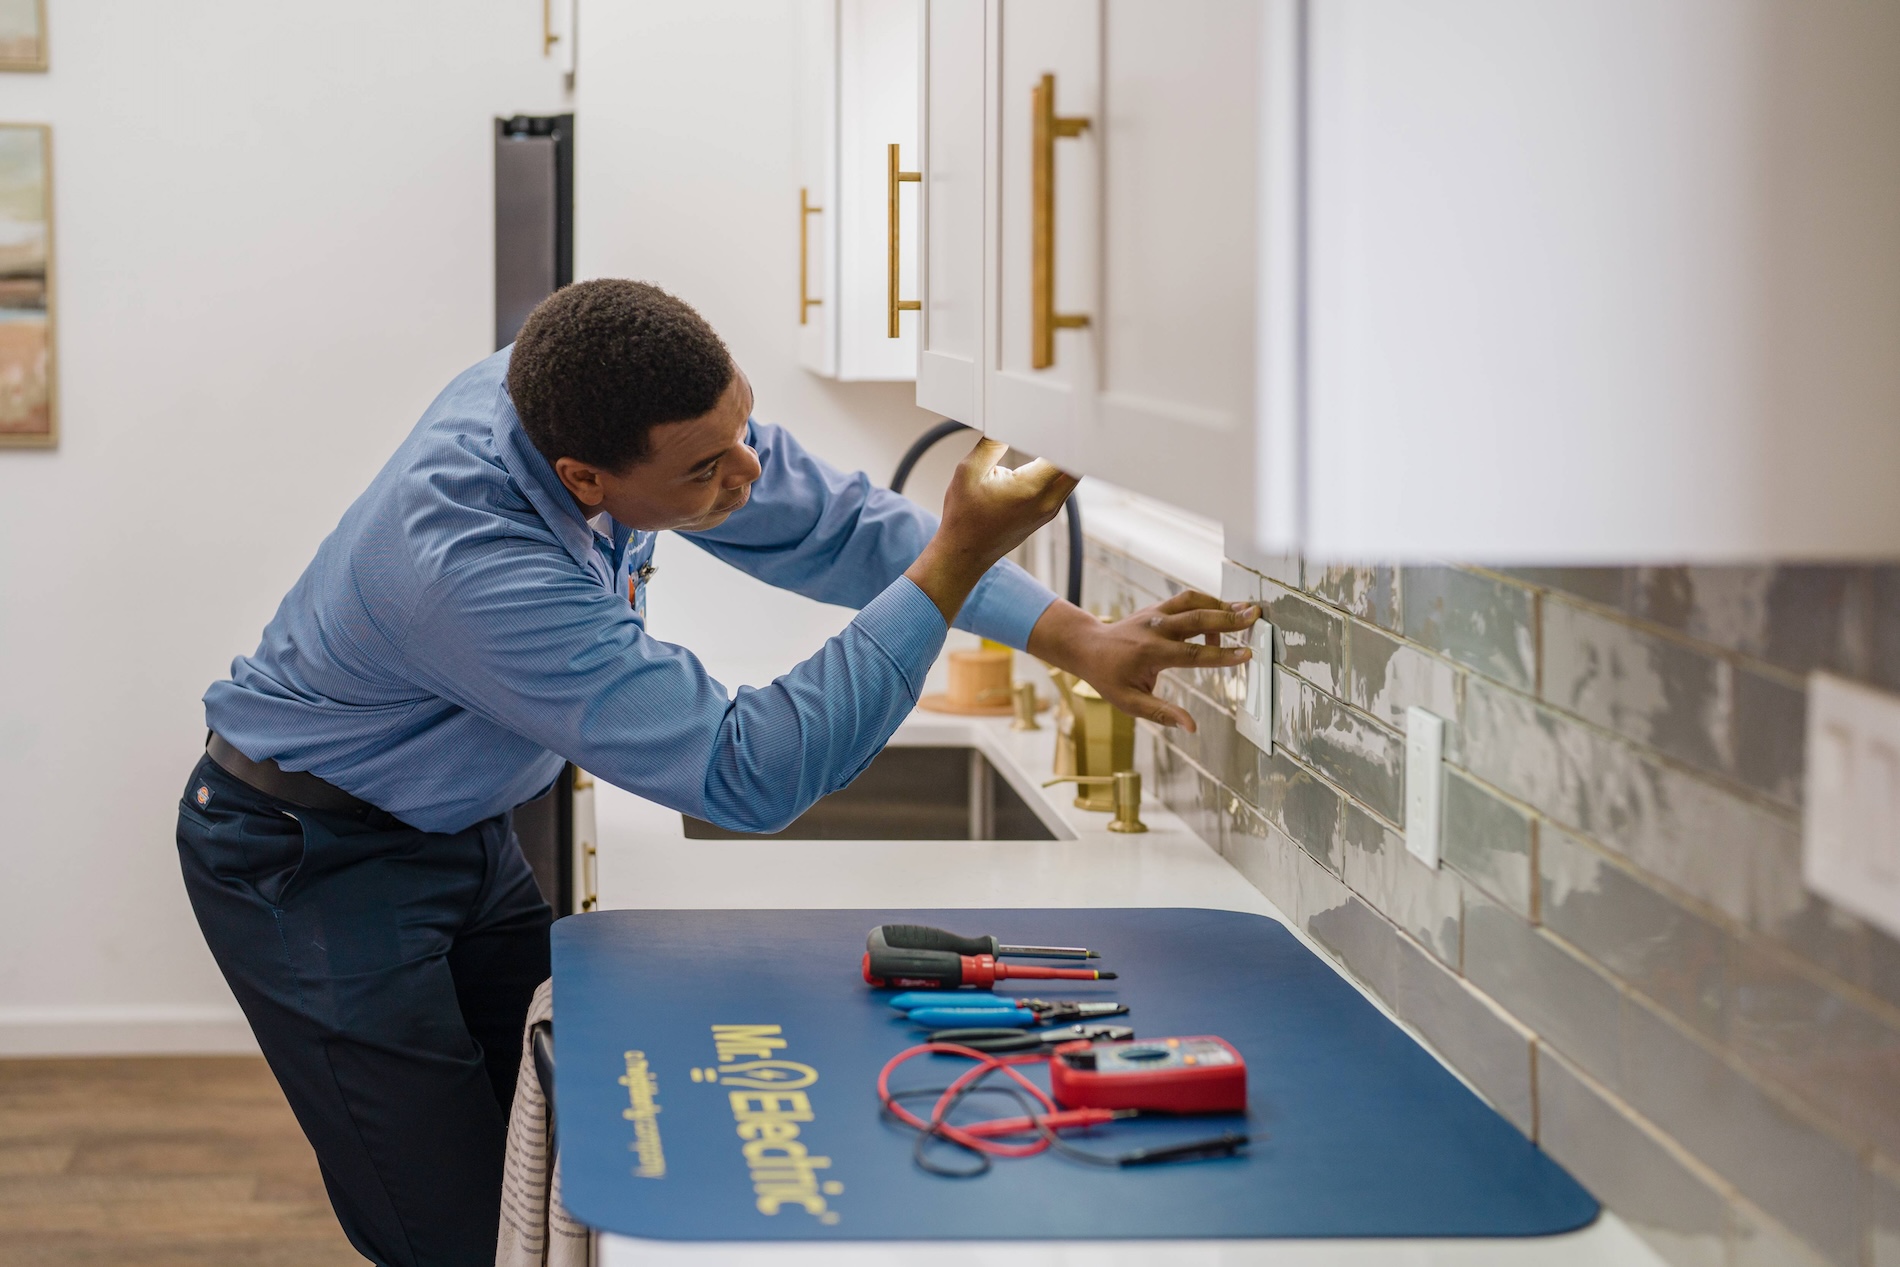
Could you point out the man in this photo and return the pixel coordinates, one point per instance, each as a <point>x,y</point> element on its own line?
<point>476,619</point>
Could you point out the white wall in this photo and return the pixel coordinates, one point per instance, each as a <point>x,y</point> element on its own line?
<point>274,245</point>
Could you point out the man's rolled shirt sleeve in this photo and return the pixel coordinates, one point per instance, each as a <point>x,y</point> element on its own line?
<point>566,664</point>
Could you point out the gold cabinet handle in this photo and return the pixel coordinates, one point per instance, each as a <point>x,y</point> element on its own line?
<point>1044,320</point>
<point>548,38</point>
<point>897,305</point>
<point>805,212</point>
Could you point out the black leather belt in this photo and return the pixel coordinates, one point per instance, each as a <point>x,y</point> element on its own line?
<point>294,787</point>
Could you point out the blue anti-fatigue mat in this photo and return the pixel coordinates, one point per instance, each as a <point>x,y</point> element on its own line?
<point>1358,1132</point>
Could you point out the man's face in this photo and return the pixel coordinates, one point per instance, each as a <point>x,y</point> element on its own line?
<point>695,473</point>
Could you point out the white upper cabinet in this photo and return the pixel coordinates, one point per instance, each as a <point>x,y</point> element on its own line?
<point>1119,212</point>
<point>1047,156</point>
<point>1575,280</point>
<point>950,329</point>
<point>1180,276</point>
<point>1603,279</point>
<point>859,198</point>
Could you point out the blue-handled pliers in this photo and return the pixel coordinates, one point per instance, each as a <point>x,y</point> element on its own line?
<point>1023,1014</point>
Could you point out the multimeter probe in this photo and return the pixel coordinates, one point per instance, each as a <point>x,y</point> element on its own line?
<point>1092,1083</point>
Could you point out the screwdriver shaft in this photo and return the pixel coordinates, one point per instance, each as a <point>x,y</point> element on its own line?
<point>1049,952</point>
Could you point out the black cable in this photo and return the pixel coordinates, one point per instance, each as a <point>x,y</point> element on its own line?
<point>1224,1145</point>
<point>1075,550</point>
<point>948,427</point>
<point>919,1153</point>
<point>1026,1108</point>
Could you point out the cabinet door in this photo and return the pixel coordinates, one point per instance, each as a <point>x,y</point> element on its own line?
<point>818,182</point>
<point>951,125</point>
<point>1178,136</point>
<point>877,108</point>
<point>1604,279</point>
<point>1045,409</point>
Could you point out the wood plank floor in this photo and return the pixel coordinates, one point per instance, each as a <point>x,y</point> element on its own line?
<point>162,1161</point>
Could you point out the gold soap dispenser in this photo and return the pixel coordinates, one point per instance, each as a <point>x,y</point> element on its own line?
<point>1094,741</point>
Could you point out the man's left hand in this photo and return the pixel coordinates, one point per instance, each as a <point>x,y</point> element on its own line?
<point>1123,659</point>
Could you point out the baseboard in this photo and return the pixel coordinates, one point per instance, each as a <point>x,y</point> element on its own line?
<point>146,1030</point>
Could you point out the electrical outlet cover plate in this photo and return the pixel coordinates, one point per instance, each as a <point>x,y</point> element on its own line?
<point>1424,783</point>
<point>1850,850</point>
<point>1255,722</point>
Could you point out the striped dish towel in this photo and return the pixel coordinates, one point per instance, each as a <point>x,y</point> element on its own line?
<point>536,1229</point>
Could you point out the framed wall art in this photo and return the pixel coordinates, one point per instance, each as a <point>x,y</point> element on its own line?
<point>22,34</point>
<point>29,414</point>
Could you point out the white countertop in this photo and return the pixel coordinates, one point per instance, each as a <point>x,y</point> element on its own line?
<point>647,863</point>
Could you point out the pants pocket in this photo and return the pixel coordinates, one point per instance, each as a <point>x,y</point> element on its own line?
<point>237,837</point>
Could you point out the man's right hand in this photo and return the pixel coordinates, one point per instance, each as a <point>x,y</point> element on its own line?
<point>988,511</point>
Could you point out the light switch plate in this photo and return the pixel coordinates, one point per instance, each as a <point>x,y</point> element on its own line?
<point>1424,783</point>
<point>1850,851</point>
<point>1255,722</point>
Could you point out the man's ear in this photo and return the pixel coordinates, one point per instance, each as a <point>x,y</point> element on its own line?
<point>581,480</point>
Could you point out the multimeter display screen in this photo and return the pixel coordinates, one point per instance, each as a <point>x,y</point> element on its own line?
<point>1172,1053</point>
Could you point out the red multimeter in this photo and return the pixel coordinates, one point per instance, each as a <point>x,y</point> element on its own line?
<point>1203,1074</point>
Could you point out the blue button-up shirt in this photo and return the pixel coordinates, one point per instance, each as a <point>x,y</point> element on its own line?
<point>464,630</point>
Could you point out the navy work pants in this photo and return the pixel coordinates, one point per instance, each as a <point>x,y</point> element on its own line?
<point>386,973</point>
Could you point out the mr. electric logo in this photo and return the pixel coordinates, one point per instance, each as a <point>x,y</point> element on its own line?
<point>769,1107</point>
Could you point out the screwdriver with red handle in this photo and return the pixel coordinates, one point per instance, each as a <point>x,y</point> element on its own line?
<point>916,968</point>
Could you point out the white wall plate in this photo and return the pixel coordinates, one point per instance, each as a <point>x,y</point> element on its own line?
<point>1424,783</point>
<point>1255,721</point>
<point>1850,849</point>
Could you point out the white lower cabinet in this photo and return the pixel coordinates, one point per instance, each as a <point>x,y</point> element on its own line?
<point>1571,281</point>
<point>858,213</point>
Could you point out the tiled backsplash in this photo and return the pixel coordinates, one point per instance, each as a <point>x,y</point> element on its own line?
<point>1618,951</point>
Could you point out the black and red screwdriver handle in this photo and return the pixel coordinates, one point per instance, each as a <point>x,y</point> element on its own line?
<point>924,937</point>
<point>886,965</point>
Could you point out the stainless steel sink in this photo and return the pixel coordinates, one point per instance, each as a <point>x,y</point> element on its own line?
<point>939,793</point>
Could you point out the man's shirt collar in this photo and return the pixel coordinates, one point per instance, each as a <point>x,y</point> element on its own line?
<point>535,476</point>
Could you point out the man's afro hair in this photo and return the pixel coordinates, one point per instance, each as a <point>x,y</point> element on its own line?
<point>600,363</point>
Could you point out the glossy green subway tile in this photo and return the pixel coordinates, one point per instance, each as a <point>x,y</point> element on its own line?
<point>1658,691</point>
<point>1426,902</point>
<point>1302,806</point>
<point>1625,1162</point>
<point>1571,1005</point>
<point>1797,617</point>
<point>1365,941</point>
<point>1385,677</point>
<point>1361,756</point>
<point>1309,640</point>
<point>1478,1039</point>
<point>1291,879</point>
<point>1780,1158</point>
<point>1880,1210</point>
<point>1770,735</point>
<point>1686,831</point>
<point>1641,935</point>
<point>1486,624</point>
<point>1369,591</point>
<point>1488,841</point>
<point>1609,587</point>
<point>1816,1042</point>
